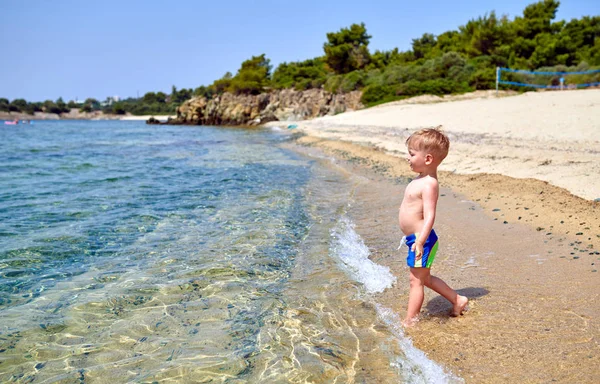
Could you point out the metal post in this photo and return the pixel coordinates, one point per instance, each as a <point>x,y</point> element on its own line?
<point>497,79</point>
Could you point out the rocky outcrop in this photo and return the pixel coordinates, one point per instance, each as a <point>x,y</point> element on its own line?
<point>282,105</point>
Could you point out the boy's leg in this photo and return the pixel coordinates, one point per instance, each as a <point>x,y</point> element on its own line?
<point>416,294</point>
<point>458,302</point>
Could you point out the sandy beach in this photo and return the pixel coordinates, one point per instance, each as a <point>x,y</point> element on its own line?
<point>550,136</point>
<point>520,227</point>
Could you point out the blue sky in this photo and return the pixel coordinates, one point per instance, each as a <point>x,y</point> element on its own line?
<point>79,49</point>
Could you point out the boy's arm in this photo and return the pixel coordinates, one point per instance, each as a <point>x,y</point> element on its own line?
<point>430,196</point>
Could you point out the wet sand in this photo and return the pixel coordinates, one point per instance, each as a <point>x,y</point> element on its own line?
<point>533,315</point>
<point>524,251</point>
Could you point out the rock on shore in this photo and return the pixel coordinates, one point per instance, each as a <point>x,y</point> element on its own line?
<point>281,105</point>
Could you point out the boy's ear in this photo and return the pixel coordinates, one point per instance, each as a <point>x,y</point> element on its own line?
<point>428,158</point>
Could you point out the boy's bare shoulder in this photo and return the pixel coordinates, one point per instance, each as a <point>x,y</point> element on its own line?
<point>431,180</point>
<point>430,183</point>
<point>426,181</point>
<point>423,182</point>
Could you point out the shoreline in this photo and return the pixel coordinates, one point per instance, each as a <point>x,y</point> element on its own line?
<point>523,323</point>
<point>146,117</point>
<point>9,116</point>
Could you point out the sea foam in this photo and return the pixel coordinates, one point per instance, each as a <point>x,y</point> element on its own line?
<point>414,366</point>
<point>351,250</point>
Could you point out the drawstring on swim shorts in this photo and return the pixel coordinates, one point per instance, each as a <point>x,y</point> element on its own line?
<point>402,242</point>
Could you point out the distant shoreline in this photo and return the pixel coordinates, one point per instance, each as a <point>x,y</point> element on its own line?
<point>146,117</point>
<point>76,115</point>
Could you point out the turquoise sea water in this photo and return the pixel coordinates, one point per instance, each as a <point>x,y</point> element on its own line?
<point>135,253</point>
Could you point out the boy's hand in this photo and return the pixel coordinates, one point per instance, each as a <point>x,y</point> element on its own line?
<point>417,248</point>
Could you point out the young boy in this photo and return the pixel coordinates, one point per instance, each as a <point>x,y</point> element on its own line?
<point>426,150</point>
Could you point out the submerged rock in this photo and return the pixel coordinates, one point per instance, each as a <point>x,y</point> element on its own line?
<point>152,121</point>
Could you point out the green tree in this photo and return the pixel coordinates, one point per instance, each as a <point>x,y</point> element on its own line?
<point>183,95</point>
<point>161,97</point>
<point>178,97</point>
<point>382,59</point>
<point>577,38</point>
<point>93,103</point>
<point>203,91</point>
<point>61,105</point>
<point>19,105</point>
<point>450,41</point>
<point>4,104</point>
<point>149,98</point>
<point>252,77</point>
<point>347,50</point>
<point>423,45</point>
<point>537,18</point>
<point>221,85</point>
<point>300,75</point>
<point>483,35</point>
<point>33,108</point>
<point>118,108</point>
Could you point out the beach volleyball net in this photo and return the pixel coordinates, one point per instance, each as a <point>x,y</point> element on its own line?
<point>547,79</point>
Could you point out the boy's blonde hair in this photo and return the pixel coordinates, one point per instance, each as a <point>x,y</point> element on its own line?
<point>431,140</point>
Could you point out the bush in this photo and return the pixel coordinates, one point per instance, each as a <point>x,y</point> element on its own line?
<point>333,83</point>
<point>432,87</point>
<point>55,109</point>
<point>352,81</point>
<point>118,109</point>
<point>19,104</point>
<point>300,75</point>
<point>483,78</point>
<point>252,77</point>
<point>451,60</point>
<point>376,94</point>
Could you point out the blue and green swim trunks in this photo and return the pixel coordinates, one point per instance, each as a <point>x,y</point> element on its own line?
<point>429,250</point>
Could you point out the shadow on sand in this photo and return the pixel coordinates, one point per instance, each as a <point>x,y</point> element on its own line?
<point>440,307</point>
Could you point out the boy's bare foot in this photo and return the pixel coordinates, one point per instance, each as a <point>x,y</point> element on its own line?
<point>407,323</point>
<point>460,306</point>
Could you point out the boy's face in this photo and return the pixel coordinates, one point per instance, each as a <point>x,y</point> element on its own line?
<point>418,159</point>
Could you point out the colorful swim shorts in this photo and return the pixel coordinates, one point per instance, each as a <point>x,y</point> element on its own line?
<point>429,250</point>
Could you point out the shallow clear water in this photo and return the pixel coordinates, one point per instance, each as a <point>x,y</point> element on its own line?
<point>185,254</point>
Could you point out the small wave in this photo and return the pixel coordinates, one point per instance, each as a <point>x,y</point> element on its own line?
<point>414,366</point>
<point>350,248</point>
<point>106,180</point>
